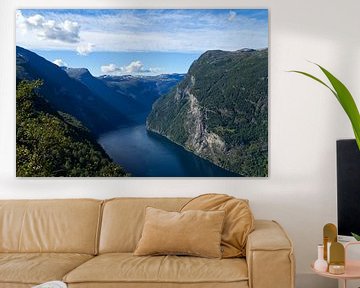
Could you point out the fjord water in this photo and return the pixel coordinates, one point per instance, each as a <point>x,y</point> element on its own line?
<point>145,154</point>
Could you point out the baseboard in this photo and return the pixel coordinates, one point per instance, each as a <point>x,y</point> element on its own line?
<point>309,280</point>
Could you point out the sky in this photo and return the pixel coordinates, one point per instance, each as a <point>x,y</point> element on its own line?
<point>137,42</point>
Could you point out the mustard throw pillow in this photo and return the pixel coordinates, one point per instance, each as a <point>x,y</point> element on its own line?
<point>195,233</point>
<point>239,220</point>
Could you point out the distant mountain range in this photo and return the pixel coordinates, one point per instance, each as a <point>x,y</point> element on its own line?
<point>67,94</point>
<point>143,89</point>
<point>220,111</point>
<point>122,102</point>
<point>100,103</point>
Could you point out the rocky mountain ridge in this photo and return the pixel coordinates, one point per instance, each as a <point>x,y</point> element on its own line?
<point>219,111</point>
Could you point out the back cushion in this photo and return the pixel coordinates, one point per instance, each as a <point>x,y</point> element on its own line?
<point>123,220</point>
<point>67,226</point>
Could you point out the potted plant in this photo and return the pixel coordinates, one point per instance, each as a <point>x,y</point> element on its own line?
<point>346,100</point>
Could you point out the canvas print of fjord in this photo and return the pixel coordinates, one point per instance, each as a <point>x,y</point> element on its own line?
<point>142,93</point>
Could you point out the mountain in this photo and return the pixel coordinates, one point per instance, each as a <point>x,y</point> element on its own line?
<point>133,96</point>
<point>145,90</point>
<point>121,101</point>
<point>220,111</point>
<point>67,94</point>
<point>51,143</point>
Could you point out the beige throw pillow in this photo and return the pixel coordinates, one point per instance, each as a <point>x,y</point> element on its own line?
<point>194,232</point>
<point>239,220</point>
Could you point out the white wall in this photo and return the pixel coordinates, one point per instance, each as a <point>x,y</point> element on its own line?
<point>305,120</point>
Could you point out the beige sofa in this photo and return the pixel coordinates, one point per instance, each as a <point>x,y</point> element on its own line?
<point>89,243</point>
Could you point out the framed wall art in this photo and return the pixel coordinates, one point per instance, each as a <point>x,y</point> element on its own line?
<point>142,93</point>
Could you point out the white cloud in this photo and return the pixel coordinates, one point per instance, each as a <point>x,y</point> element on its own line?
<point>110,69</point>
<point>60,62</point>
<point>135,67</point>
<point>63,31</point>
<point>147,30</point>
<point>232,15</point>
<point>155,70</point>
<point>85,49</point>
<point>35,21</point>
<point>184,42</point>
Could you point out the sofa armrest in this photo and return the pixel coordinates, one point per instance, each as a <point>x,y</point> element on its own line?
<point>269,256</point>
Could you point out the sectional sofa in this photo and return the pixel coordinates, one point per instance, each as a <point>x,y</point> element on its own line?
<point>90,243</point>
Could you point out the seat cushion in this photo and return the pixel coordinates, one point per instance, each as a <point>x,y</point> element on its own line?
<point>126,268</point>
<point>35,268</point>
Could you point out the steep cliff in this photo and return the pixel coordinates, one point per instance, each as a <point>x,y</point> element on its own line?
<point>51,143</point>
<point>220,111</point>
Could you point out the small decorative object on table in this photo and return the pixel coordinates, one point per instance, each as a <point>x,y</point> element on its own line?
<point>52,284</point>
<point>340,267</point>
<point>329,236</point>
<point>320,264</point>
<point>337,258</point>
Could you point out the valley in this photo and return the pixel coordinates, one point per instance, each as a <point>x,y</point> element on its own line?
<point>209,122</point>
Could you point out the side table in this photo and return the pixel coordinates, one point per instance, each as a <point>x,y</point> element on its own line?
<point>352,268</point>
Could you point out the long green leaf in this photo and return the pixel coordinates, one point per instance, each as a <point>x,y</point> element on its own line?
<point>357,137</point>
<point>357,237</point>
<point>347,102</point>
<point>344,97</point>
<point>316,79</point>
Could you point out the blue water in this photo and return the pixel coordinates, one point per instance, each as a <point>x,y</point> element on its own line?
<point>146,154</point>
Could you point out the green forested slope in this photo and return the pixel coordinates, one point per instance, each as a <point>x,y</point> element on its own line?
<point>51,143</point>
<point>220,111</point>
